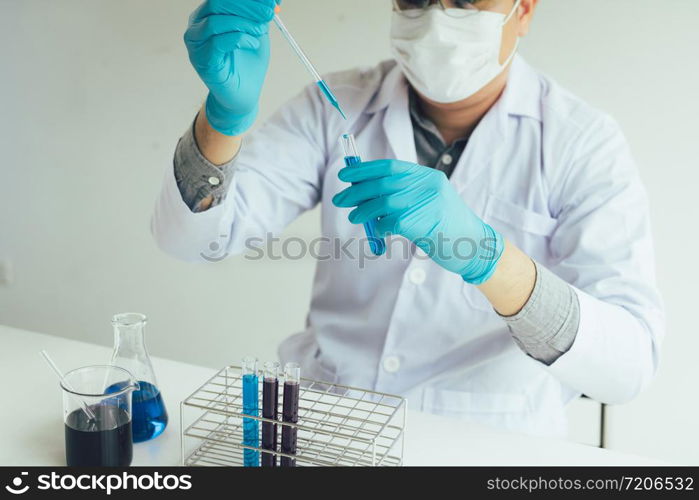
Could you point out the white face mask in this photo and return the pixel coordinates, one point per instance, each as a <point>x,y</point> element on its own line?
<point>448,59</point>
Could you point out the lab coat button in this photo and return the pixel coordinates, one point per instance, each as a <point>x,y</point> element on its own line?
<point>418,276</point>
<point>447,159</point>
<point>391,364</point>
<point>214,181</point>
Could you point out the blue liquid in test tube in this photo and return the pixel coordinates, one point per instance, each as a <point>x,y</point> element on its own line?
<point>251,406</point>
<point>376,244</point>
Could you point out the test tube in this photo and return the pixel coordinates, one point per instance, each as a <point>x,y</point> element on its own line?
<point>251,406</point>
<point>352,157</point>
<point>270,402</point>
<point>290,412</point>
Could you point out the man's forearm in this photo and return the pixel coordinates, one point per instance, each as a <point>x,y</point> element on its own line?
<point>219,149</point>
<point>541,310</point>
<point>509,289</point>
<point>202,184</point>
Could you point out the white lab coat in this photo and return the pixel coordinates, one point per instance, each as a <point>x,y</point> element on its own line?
<point>552,174</point>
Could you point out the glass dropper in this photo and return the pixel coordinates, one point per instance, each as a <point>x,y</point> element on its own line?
<point>324,88</point>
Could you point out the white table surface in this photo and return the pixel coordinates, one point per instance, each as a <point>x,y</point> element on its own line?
<point>31,427</point>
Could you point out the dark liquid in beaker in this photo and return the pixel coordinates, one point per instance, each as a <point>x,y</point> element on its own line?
<point>270,393</point>
<point>290,413</point>
<point>88,446</point>
<point>148,410</point>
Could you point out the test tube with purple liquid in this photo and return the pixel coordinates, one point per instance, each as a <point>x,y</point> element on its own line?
<point>270,397</point>
<point>290,412</point>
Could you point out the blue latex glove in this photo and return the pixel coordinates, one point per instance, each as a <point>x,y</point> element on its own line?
<point>420,204</point>
<point>228,45</point>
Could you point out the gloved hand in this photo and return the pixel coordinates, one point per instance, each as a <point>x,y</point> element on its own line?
<point>228,45</point>
<point>419,203</point>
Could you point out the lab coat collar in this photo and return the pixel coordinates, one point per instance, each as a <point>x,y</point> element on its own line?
<point>392,84</point>
<point>522,96</point>
<point>397,124</point>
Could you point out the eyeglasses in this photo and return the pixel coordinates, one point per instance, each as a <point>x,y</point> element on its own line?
<point>453,8</point>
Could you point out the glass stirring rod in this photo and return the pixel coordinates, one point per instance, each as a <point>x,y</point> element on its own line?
<point>307,62</point>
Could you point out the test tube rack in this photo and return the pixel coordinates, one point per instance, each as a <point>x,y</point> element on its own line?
<point>338,425</point>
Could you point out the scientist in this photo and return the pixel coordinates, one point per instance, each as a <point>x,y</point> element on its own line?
<point>539,284</point>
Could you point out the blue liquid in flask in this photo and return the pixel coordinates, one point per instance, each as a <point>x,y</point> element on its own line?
<point>376,244</point>
<point>251,427</point>
<point>149,413</point>
<point>149,416</point>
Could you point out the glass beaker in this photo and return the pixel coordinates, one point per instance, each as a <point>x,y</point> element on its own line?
<point>98,422</point>
<point>149,413</point>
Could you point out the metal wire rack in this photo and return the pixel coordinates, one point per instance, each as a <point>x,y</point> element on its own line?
<point>338,425</point>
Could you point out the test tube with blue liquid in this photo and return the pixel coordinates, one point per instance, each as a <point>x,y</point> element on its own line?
<point>251,406</point>
<point>352,157</point>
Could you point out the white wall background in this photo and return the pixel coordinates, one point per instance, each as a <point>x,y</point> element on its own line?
<point>95,93</point>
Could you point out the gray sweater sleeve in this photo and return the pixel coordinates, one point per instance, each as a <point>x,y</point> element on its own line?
<point>546,327</point>
<point>197,178</point>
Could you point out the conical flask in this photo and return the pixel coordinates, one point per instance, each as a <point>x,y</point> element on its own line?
<point>149,415</point>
